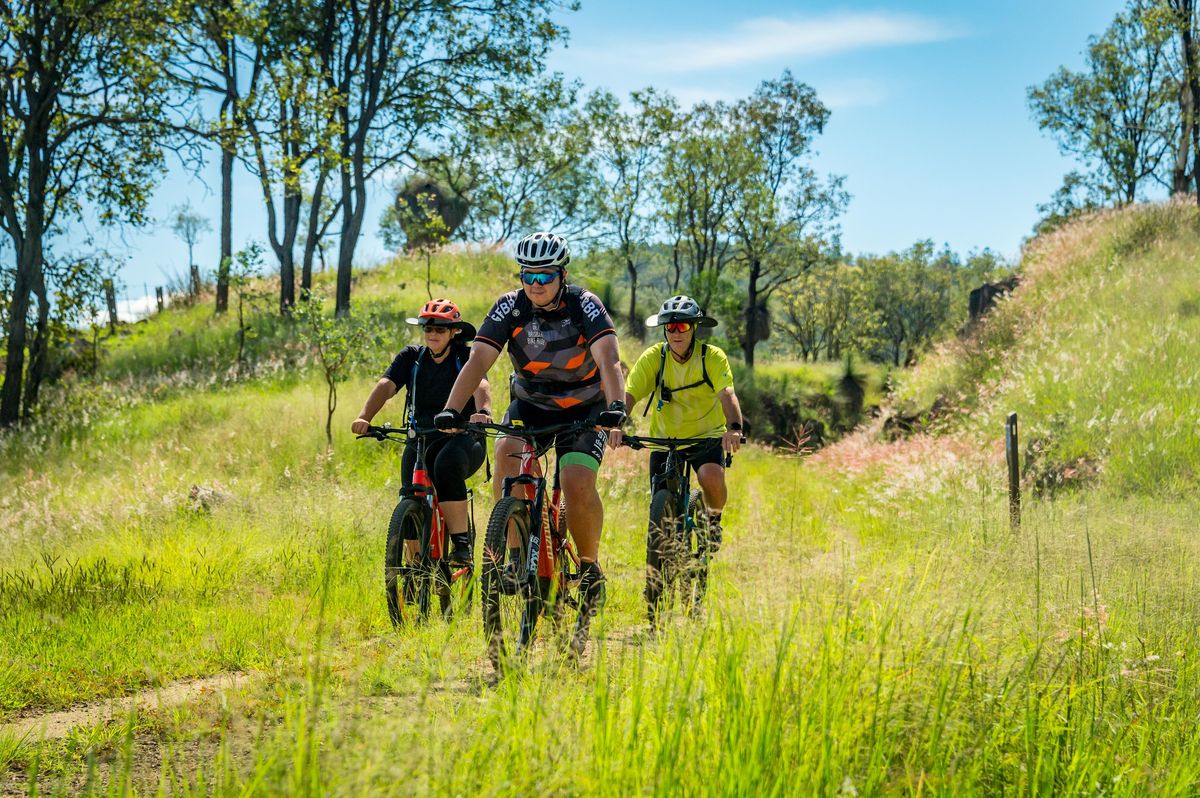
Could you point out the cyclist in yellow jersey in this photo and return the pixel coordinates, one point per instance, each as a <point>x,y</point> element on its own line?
<point>689,393</point>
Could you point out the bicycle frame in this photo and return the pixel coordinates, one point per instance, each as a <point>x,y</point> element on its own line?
<point>422,488</point>
<point>550,541</point>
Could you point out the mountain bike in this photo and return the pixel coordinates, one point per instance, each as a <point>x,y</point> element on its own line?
<point>677,544</point>
<point>530,566</point>
<point>412,580</point>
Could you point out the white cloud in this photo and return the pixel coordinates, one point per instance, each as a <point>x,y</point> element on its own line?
<point>770,38</point>
<point>852,93</point>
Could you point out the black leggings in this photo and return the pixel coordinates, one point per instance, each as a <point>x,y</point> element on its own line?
<point>450,460</point>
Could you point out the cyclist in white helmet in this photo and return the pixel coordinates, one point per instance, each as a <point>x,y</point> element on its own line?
<point>566,368</point>
<point>690,395</point>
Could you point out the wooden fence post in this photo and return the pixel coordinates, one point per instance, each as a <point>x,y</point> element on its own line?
<point>158,297</point>
<point>1012,455</point>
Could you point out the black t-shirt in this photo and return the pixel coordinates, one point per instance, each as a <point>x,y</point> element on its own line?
<point>434,380</point>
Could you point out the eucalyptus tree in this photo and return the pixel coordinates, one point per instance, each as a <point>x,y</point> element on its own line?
<point>912,293</point>
<point>629,148</point>
<point>401,72</point>
<point>523,162</point>
<point>287,114</point>
<point>1179,19</point>
<point>82,122</point>
<point>210,61</point>
<point>1117,116</point>
<point>705,162</point>
<point>783,212</point>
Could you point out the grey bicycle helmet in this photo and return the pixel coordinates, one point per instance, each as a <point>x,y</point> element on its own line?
<point>680,308</point>
<point>543,250</point>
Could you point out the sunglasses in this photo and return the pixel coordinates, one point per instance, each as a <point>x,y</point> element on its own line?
<point>538,278</point>
<point>435,329</point>
<point>679,326</point>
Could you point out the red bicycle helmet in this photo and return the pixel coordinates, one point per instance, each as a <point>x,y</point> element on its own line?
<point>443,312</point>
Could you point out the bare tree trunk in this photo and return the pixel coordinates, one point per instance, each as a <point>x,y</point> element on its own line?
<point>1192,71</point>
<point>29,271</point>
<point>1181,179</point>
<point>751,323</point>
<point>635,324</point>
<point>227,156</point>
<point>39,349</point>
<point>312,236</point>
<point>18,312</point>
<point>354,198</point>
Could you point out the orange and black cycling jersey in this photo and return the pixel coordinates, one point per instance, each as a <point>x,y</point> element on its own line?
<point>553,367</point>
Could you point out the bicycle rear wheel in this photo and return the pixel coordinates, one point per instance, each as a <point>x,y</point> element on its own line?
<point>662,554</point>
<point>505,593</point>
<point>403,580</point>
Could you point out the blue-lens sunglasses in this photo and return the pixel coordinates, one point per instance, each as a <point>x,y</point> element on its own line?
<point>538,278</point>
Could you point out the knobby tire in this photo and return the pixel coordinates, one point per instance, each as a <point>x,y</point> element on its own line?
<point>504,612</point>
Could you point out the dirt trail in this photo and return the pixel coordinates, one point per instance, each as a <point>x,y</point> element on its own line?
<point>50,725</point>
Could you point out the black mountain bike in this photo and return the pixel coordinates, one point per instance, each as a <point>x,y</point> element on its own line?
<point>409,580</point>
<point>677,544</point>
<point>529,565</point>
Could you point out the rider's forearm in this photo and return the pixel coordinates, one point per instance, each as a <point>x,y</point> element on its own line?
<point>483,398</point>
<point>731,406</point>
<point>384,389</point>
<point>608,360</point>
<point>472,374</point>
<point>629,400</point>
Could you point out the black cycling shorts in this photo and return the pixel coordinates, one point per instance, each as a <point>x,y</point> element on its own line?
<point>696,456</point>
<point>587,442</point>
<point>449,460</point>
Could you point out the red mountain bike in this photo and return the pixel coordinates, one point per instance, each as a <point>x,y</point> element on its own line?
<point>529,564</point>
<point>410,579</point>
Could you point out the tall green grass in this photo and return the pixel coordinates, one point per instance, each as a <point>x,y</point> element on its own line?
<point>871,629</point>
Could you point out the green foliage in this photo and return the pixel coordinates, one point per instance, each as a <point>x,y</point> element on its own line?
<point>1090,352</point>
<point>1119,116</point>
<point>337,344</point>
<point>84,109</point>
<point>872,623</point>
<point>523,163</point>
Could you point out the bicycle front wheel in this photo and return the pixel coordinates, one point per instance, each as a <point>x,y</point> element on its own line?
<point>698,553</point>
<point>663,555</point>
<point>505,583</point>
<point>403,580</point>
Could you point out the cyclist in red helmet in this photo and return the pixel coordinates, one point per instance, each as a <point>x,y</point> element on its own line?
<point>428,372</point>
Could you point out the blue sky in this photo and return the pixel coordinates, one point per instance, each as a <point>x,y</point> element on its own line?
<point>929,121</point>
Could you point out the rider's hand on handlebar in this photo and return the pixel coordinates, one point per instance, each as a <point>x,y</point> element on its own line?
<point>615,436</point>
<point>449,421</point>
<point>731,441</point>
<point>360,426</point>
<point>613,417</point>
<point>481,418</point>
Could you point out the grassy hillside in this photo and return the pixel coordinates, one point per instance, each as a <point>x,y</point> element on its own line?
<point>873,624</point>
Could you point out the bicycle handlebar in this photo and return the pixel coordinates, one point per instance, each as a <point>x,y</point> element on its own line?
<point>527,433</point>
<point>391,433</point>
<point>645,441</point>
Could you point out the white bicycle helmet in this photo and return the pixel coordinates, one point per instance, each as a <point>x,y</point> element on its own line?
<point>680,308</point>
<point>542,250</point>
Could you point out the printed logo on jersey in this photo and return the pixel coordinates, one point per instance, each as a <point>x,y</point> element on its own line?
<point>534,336</point>
<point>590,308</point>
<point>503,307</point>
